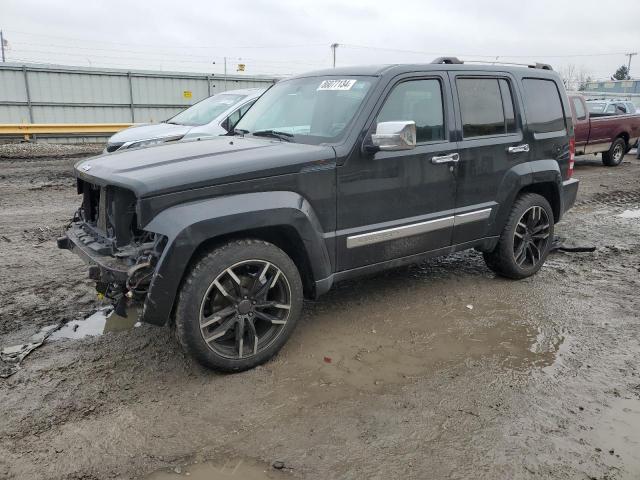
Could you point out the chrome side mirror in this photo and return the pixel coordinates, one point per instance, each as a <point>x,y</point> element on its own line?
<point>391,136</point>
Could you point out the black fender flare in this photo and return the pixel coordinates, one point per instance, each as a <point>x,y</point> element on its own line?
<point>187,226</point>
<point>520,177</point>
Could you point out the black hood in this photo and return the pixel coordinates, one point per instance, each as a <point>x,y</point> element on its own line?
<point>187,165</point>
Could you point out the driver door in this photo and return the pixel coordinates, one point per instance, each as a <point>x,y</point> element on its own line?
<point>394,204</point>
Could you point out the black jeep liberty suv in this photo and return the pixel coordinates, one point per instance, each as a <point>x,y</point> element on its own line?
<point>329,175</point>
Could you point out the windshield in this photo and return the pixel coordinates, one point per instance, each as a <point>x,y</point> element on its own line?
<point>207,110</point>
<point>596,107</point>
<point>310,110</point>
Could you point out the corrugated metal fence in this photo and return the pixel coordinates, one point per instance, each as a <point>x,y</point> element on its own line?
<point>57,94</point>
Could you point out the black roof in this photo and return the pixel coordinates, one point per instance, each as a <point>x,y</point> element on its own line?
<point>396,69</point>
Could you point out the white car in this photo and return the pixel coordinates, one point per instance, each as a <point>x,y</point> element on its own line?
<point>215,115</point>
<point>612,106</point>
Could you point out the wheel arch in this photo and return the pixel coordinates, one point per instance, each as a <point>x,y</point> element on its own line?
<point>285,219</point>
<point>540,176</point>
<point>625,136</point>
<point>549,191</point>
<point>285,237</point>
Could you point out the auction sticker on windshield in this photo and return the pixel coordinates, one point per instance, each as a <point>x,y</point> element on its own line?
<point>342,84</point>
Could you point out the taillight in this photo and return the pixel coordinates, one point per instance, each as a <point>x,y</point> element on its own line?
<point>572,155</point>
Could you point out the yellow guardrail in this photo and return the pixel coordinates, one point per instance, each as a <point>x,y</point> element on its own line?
<point>27,129</point>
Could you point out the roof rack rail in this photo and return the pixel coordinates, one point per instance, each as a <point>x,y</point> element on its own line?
<point>457,61</point>
<point>543,66</point>
<point>448,60</point>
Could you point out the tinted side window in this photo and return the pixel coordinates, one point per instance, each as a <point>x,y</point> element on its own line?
<point>481,107</point>
<point>543,105</point>
<point>420,101</point>
<point>507,102</point>
<point>579,108</point>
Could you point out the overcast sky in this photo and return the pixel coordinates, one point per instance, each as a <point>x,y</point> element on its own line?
<point>288,36</point>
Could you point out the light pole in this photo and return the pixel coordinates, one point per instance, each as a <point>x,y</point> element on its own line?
<point>629,64</point>
<point>2,45</point>
<point>225,74</point>
<point>334,47</point>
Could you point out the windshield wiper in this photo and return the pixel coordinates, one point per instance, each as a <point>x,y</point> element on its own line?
<point>273,133</point>
<point>240,131</point>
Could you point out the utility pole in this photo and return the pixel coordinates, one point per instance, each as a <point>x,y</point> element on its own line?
<point>334,47</point>
<point>629,64</point>
<point>2,45</point>
<point>225,74</point>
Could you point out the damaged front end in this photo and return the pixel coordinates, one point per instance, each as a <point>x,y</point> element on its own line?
<point>104,232</point>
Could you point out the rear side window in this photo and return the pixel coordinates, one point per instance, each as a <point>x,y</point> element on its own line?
<point>507,103</point>
<point>420,101</point>
<point>486,107</point>
<point>543,105</point>
<point>579,108</point>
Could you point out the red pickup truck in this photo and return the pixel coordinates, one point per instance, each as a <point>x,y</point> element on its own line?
<point>613,135</point>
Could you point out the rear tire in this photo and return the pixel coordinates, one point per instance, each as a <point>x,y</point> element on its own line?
<point>613,157</point>
<point>238,305</point>
<point>525,240</point>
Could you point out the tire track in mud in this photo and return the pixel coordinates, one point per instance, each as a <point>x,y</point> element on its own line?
<point>616,198</point>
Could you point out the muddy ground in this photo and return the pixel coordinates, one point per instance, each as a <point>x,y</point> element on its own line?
<point>440,370</point>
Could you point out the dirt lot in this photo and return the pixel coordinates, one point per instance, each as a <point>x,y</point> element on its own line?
<point>436,371</point>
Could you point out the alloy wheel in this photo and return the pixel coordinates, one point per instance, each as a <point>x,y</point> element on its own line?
<point>531,237</point>
<point>245,309</point>
<point>617,153</point>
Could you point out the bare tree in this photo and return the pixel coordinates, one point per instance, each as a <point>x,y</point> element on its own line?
<point>568,74</point>
<point>583,79</point>
<point>573,77</point>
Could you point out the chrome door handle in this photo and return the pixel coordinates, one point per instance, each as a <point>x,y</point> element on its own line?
<point>519,148</point>
<point>451,158</point>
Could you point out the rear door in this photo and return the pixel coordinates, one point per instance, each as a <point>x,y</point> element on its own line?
<point>492,143</point>
<point>548,121</point>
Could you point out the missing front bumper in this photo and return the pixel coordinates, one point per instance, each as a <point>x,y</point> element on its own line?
<point>102,268</point>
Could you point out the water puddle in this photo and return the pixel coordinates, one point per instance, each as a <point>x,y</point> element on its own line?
<point>405,342</point>
<point>230,470</point>
<point>630,213</point>
<point>104,320</point>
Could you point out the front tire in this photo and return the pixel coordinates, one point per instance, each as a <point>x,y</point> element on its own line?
<point>525,240</point>
<point>238,305</point>
<point>613,157</point>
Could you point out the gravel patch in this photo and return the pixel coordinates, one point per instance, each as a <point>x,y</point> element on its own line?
<point>49,150</point>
